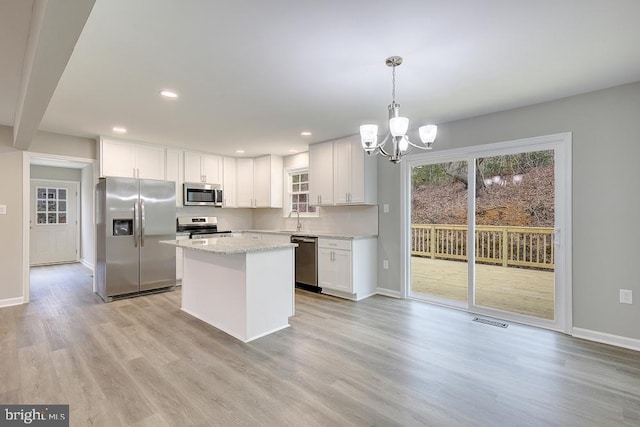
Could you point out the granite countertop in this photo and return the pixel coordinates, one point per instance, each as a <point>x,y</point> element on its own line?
<point>228,245</point>
<point>330,235</point>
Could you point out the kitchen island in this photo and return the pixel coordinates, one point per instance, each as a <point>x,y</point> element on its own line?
<point>241,286</point>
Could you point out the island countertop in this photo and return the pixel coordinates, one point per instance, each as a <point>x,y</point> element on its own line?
<point>307,233</point>
<point>228,245</point>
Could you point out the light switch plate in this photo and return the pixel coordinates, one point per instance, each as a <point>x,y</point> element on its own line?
<point>3,209</point>
<point>385,208</point>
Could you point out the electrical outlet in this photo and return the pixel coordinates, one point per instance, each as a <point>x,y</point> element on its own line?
<point>626,296</point>
<point>385,264</point>
<point>3,209</point>
<point>385,208</point>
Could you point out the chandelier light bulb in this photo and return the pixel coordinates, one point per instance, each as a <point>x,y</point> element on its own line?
<point>403,144</point>
<point>398,126</point>
<point>369,136</point>
<point>428,133</point>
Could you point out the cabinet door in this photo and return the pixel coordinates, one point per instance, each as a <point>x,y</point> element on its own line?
<point>262,181</point>
<point>244,183</point>
<point>342,270</point>
<point>192,168</point>
<point>229,182</point>
<point>321,174</point>
<point>117,159</point>
<point>357,172</point>
<point>150,162</point>
<point>342,171</point>
<point>174,172</point>
<point>325,268</point>
<point>211,169</point>
<point>334,269</point>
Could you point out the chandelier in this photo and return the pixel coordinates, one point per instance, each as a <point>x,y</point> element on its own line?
<point>398,127</point>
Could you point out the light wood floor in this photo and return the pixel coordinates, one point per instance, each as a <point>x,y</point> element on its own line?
<point>380,361</point>
<point>517,290</point>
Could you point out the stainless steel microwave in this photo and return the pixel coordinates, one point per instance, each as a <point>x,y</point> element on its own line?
<point>199,194</point>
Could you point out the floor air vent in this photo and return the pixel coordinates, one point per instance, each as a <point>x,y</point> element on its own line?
<point>490,322</point>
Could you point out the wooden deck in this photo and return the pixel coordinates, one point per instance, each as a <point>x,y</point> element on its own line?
<point>516,290</point>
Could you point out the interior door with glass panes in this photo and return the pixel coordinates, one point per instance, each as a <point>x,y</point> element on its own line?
<point>54,225</point>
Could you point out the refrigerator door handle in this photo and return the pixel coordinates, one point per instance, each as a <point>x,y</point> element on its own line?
<point>142,221</point>
<point>135,224</point>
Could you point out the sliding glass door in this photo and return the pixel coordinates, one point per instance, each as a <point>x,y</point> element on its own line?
<point>505,208</point>
<point>515,220</point>
<point>439,232</point>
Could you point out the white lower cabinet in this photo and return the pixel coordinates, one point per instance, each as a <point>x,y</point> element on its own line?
<point>346,268</point>
<point>334,269</point>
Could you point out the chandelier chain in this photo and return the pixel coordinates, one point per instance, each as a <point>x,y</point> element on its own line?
<point>393,87</point>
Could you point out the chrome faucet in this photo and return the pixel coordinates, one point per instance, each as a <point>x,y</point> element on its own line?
<point>298,225</point>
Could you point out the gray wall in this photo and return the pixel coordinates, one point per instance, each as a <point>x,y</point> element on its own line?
<point>56,173</point>
<point>11,192</point>
<point>11,223</point>
<point>606,201</point>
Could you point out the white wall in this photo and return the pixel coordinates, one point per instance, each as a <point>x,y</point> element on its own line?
<point>606,201</point>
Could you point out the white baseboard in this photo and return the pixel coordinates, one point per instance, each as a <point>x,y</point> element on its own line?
<point>11,301</point>
<point>388,293</point>
<point>86,264</point>
<point>602,337</point>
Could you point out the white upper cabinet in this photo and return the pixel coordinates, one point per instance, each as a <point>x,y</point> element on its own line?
<point>321,174</point>
<point>341,173</point>
<point>130,159</point>
<point>229,191</point>
<point>244,183</point>
<point>200,167</point>
<point>355,173</point>
<point>259,182</point>
<point>174,171</point>
<point>267,181</point>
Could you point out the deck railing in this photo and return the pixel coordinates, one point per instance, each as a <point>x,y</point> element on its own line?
<point>526,247</point>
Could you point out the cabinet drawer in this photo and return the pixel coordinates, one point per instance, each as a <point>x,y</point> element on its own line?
<point>334,244</point>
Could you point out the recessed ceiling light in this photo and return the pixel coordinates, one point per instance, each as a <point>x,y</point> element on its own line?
<point>293,151</point>
<point>305,133</point>
<point>240,151</point>
<point>119,129</point>
<point>168,94</point>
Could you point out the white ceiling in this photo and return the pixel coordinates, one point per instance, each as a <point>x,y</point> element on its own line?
<point>253,74</point>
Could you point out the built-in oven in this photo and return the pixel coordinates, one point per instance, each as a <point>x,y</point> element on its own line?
<point>200,194</point>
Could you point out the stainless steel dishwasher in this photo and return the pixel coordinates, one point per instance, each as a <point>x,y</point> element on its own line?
<point>306,262</point>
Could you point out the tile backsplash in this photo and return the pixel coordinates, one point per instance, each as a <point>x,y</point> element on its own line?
<point>228,219</point>
<point>336,219</point>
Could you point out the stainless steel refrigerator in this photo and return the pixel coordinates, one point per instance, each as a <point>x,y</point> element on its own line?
<point>133,215</point>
